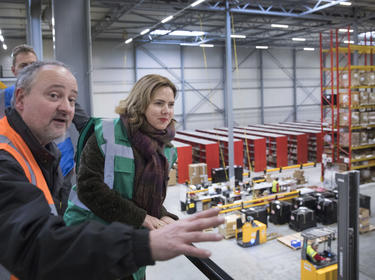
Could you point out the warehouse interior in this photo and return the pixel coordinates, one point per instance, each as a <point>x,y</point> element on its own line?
<point>249,74</point>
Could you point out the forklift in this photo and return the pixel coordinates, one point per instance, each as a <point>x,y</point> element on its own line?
<point>344,265</point>
<point>250,232</point>
<point>318,270</point>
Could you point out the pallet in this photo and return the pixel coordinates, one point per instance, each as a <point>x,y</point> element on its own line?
<point>286,240</point>
<point>371,228</point>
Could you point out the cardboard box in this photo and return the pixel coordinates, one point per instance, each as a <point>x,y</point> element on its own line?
<point>172,177</point>
<point>363,138</point>
<point>228,229</point>
<point>371,97</point>
<point>344,78</point>
<point>363,97</point>
<point>344,139</point>
<point>363,118</point>
<point>371,117</point>
<point>344,118</point>
<point>371,78</point>
<point>344,99</point>
<point>363,78</point>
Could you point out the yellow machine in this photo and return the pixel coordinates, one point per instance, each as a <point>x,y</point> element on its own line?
<point>311,269</point>
<point>250,232</point>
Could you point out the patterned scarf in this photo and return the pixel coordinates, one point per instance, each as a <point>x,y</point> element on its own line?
<point>151,166</point>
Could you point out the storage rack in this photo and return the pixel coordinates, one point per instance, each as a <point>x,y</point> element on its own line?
<point>203,151</point>
<point>277,146</point>
<point>223,145</point>
<point>297,143</point>
<point>314,135</point>
<point>256,147</point>
<point>348,102</point>
<point>184,158</point>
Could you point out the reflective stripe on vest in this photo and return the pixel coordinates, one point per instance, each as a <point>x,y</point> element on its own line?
<point>11,142</point>
<point>111,149</point>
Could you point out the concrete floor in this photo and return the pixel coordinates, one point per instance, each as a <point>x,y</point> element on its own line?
<point>271,260</point>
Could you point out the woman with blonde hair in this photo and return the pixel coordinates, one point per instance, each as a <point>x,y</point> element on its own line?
<point>124,166</point>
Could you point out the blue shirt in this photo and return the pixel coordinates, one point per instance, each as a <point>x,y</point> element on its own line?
<point>8,92</point>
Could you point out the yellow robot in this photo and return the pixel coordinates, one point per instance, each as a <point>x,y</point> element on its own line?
<point>250,232</point>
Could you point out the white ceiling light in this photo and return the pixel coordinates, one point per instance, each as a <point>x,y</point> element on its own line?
<point>343,30</point>
<point>129,41</point>
<point>206,45</point>
<point>189,44</point>
<point>0,32</point>
<point>160,32</point>
<point>167,19</point>
<point>308,49</point>
<point>145,31</point>
<point>261,47</point>
<point>238,36</point>
<point>186,33</point>
<point>5,47</point>
<point>299,39</point>
<point>279,25</point>
<point>1,38</point>
<point>346,3</point>
<point>349,42</point>
<point>196,3</point>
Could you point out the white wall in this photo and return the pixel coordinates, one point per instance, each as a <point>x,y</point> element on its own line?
<point>113,76</point>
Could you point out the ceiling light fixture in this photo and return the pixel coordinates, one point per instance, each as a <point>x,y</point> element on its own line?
<point>160,32</point>
<point>186,33</point>
<point>5,47</point>
<point>189,44</point>
<point>1,38</point>
<point>129,41</point>
<point>167,19</point>
<point>196,3</point>
<point>206,45</point>
<point>299,39</point>
<point>309,49</point>
<point>345,3</point>
<point>261,47</point>
<point>279,25</point>
<point>238,36</point>
<point>343,30</point>
<point>145,31</point>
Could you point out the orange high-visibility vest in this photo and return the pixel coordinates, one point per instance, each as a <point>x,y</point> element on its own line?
<point>13,143</point>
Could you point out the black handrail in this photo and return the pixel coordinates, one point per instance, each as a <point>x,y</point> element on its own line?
<point>209,268</point>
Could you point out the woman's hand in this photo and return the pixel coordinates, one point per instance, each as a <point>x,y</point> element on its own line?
<point>167,220</point>
<point>152,223</point>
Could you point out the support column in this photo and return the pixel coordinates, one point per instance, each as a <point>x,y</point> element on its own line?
<point>73,43</point>
<point>261,86</point>
<point>182,57</point>
<point>34,28</point>
<point>135,63</point>
<point>228,89</point>
<point>294,85</point>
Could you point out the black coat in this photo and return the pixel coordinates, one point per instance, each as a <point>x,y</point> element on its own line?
<point>37,245</point>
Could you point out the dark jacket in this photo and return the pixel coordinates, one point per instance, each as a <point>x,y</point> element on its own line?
<point>37,245</point>
<point>104,202</point>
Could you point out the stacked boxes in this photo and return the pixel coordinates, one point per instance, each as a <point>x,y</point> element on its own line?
<point>364,222</point>
<point>228,229</point>
<point>198,173</point>
<point>172,177</point>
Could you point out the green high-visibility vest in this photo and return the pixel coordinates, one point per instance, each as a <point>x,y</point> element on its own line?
<point>119,169</point>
